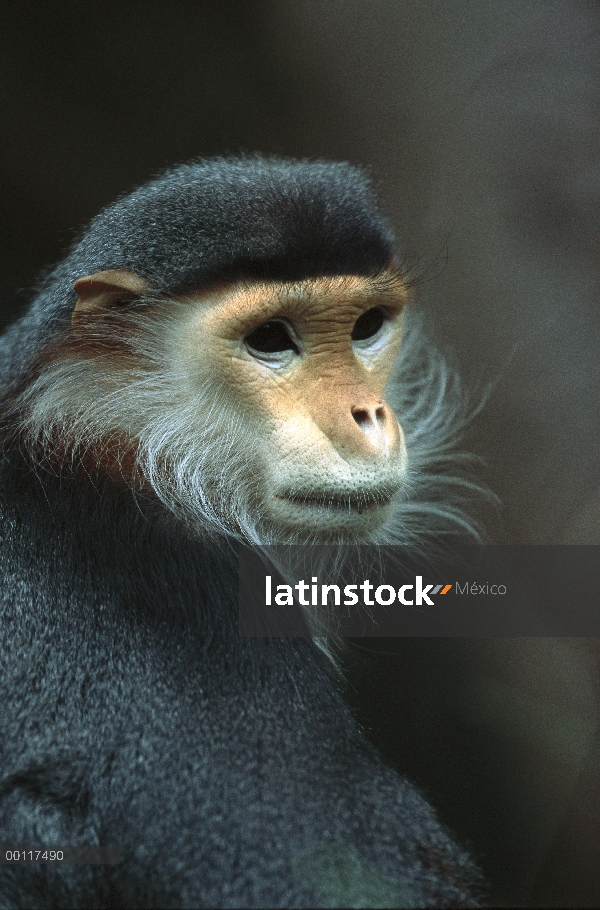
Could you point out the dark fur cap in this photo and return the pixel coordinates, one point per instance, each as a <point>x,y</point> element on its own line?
<point>217,219</point>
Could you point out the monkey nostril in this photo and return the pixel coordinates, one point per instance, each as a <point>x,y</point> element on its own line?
<point>375,426</point>
<point>369,416</point>
<point>361,417</point>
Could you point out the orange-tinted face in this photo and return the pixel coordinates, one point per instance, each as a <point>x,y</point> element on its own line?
<point>301,370</point>
<point>308,364</point>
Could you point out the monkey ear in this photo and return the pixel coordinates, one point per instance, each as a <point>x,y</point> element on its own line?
<point>101,291</point>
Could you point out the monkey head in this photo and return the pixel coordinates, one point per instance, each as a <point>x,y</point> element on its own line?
<point>232,353</point>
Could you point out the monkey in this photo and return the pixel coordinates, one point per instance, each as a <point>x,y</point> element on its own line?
<point>207,366</point>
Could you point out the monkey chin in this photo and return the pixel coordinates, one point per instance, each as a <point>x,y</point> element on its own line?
<point>325,516</point>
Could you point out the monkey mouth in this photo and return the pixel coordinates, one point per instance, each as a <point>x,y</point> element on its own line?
<point>352,502</point>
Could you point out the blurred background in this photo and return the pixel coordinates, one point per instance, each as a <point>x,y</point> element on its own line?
<point>479,122</point>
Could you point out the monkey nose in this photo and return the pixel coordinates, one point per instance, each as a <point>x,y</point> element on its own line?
<point>378,424</point>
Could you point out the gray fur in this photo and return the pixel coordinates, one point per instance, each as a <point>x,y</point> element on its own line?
<point>228,770</point>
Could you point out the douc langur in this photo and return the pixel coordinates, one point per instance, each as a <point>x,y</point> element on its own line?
<point>209,363</point>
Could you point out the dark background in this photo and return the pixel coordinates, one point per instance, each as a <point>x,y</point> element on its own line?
<point>480,123</point>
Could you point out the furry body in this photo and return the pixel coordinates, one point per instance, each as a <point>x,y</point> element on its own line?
<point>228,770</point>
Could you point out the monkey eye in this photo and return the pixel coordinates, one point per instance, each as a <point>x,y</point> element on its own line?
<point>271,338</point>
<point>368,324</point>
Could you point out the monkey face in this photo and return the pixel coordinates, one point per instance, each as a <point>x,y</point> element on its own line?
<point>305,367</point>
<point>253,409</point>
